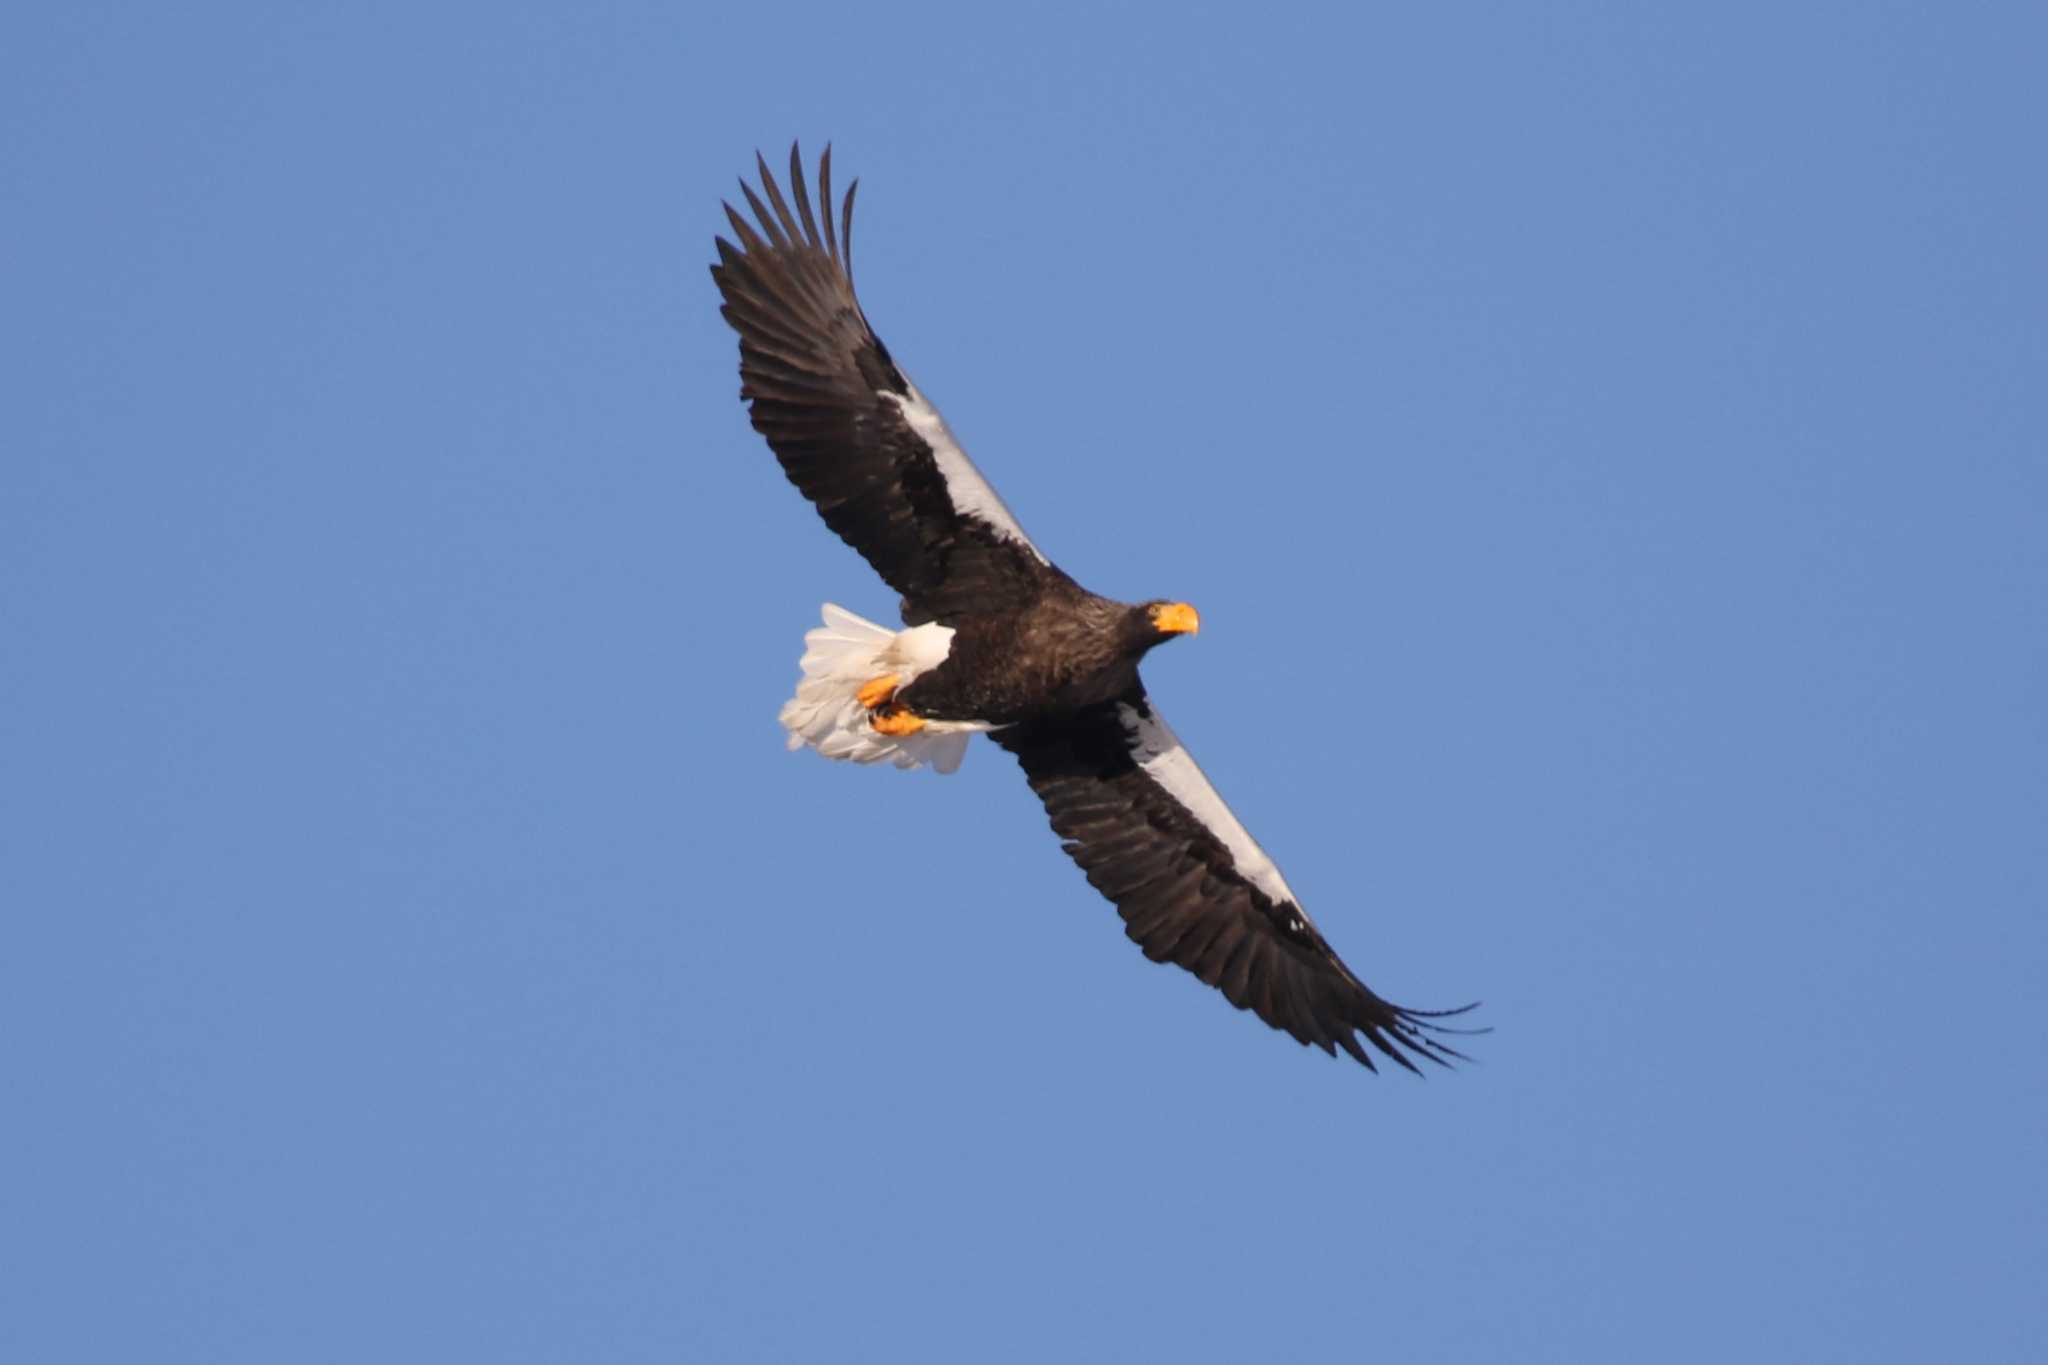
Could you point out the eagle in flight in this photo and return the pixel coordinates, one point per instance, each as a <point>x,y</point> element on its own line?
<point>999,641</point>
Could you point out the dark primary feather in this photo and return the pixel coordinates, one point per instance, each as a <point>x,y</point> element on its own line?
<point>1182,900</point>
<point>813,373</point>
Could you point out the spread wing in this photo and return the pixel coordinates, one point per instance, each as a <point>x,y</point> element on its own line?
<point>850,429</point>
<point>1192,885</point>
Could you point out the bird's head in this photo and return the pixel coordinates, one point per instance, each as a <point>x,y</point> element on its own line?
<point>1154,623</point>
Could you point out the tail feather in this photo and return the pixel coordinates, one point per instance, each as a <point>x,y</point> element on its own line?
<point>840,656</point>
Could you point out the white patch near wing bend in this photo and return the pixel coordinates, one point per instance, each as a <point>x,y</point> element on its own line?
<point>1159,752</point>
<point>971,494</point>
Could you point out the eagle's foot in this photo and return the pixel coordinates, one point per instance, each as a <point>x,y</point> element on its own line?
<point>874,695</point>
<point>895,721</point>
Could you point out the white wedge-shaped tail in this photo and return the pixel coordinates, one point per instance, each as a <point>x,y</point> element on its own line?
<point>844,655</point>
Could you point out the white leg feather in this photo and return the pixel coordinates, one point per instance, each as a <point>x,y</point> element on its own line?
<point>843,655</point>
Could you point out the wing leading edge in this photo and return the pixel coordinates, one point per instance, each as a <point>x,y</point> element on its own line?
<point>1195,889</point>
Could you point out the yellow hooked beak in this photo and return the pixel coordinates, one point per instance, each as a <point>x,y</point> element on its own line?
<point>1176,618</point>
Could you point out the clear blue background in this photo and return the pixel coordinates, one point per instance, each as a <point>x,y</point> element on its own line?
<point>1608,446</point>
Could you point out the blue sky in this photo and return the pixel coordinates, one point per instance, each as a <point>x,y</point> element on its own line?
<point>1607,445</point>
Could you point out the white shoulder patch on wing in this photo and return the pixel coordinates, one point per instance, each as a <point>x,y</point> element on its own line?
<point>972,496</point>
<point>1159,752</point>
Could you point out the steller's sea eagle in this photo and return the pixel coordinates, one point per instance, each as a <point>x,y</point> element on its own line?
<point>1000,641</point>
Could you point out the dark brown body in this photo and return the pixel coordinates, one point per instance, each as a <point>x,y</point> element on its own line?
<point>1067,649</point>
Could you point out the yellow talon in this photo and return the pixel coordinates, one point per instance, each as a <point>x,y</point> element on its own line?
<point>873,694</point>
<point>896,722</point>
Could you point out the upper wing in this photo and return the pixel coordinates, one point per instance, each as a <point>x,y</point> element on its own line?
<point>1192,885</point>
<point>850,429</point>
